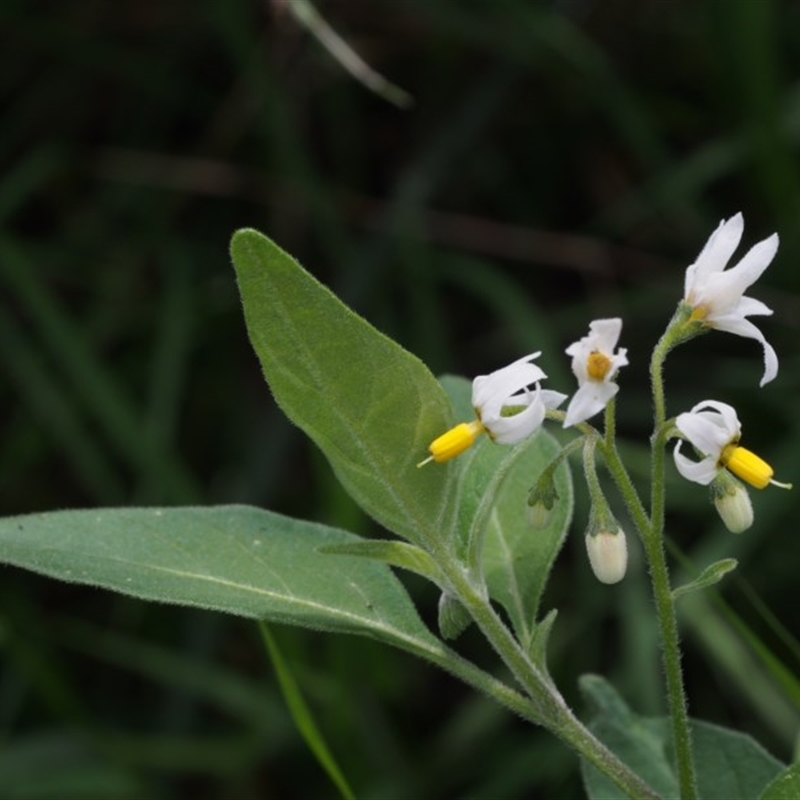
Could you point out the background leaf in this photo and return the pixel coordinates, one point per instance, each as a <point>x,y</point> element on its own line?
<point>369,404</point>
<point>236,559</point>
<point>728,764</point>
<point>75,769</point>
<point>516,557</point>
<point>785,787</point>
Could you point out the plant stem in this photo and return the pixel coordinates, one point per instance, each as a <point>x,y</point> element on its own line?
<point>548,706</point>
<point>653,539</point>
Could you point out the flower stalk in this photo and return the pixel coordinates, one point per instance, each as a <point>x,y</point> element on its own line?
<point>653,540</point>
<point>548,706</point>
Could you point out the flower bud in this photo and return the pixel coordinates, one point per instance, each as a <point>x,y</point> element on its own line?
<point>541,501</point>
<point>454,619</point>
<point>732,501</point>
<point>608,554</point>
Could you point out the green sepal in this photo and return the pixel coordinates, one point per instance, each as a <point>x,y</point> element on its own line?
<point>540,636</point>
<point>454,619</point>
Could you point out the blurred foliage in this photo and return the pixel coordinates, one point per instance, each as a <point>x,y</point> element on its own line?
<point>562,161</point>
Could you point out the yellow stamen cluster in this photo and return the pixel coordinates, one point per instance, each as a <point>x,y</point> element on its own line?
<point>454,442</point>
<point>597,365</point>
<point>749,467</point>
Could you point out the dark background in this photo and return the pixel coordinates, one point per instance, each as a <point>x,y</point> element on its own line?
<point>562,161</point>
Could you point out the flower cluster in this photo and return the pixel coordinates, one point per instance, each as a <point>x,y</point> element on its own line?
<point>511,405</point>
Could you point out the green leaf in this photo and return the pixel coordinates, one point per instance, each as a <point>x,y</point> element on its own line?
<point>785,787</point>
<point>493,491</point>
<point>712,574</point>
<point>371,406</point>
<point>237,559</point>
<point>728,764</point>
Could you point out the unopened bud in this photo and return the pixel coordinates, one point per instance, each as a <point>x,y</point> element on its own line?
<point>608,554</point>
<point>732,501</point>
<point>453,617</point>
<point>541,501</point>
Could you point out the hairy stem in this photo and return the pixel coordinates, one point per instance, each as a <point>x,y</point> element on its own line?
<point>653,538</point>
<point>548,706</point>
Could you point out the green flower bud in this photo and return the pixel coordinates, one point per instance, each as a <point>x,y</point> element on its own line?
<point>541,501</point>
<point>454,619</point>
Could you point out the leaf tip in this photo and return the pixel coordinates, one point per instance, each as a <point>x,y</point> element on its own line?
<point>242,236</point>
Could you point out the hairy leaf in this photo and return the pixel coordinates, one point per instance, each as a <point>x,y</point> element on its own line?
<point>236,559</point>
<point>371,406</point>
<point>728,764</point>
<point>785,787</point>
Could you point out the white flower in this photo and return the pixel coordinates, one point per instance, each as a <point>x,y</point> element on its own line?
<point>715,434</point>
<point>505,404</point>
<point>710,432</point>
<point>716,294</point>
<point>595,365</point>
<point>510,406</point>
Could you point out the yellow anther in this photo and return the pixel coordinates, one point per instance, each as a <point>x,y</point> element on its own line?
<point>454,442</point>
<point>597,365</point>
<point>746,465</point>
<point>698,314</point>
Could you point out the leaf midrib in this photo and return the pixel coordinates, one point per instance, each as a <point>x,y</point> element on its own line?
<point>289,599</point>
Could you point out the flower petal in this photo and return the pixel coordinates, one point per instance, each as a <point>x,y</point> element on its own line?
<point>702,472</point>
<point>722,291</point>
<point>617,361</point>
<point>750,307</point>
<point>503,383</point>
<point>709,431</point>
<point>730,421</point>
<point>605,333</point>
<point>588,400</point>
<point>513,429</point>
<point>742,327</point>
<point>754,262</point>
<point>715,254</point>
<point>552,399</point>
